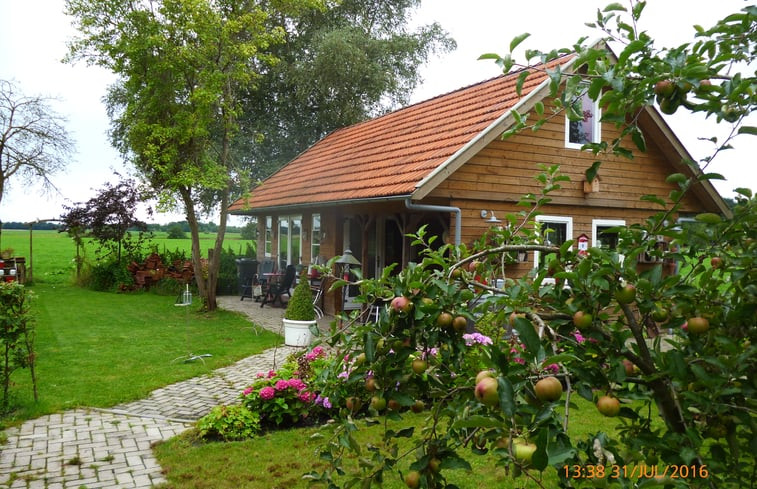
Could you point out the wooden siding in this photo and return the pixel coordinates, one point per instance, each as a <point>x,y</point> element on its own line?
<point>505,170</point>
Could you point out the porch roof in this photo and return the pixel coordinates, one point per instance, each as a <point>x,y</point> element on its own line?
<point>393,155</point>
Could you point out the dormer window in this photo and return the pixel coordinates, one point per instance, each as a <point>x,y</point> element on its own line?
<point>585,130</point>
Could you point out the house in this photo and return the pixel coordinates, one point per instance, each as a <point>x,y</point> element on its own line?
<point>443,163</point>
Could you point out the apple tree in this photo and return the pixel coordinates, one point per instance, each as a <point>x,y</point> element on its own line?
<point>668,350</point>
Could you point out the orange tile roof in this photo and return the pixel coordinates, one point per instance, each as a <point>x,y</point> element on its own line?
<point>389,155</point>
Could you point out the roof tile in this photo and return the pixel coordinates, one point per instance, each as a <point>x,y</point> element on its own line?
<point>387,156</point>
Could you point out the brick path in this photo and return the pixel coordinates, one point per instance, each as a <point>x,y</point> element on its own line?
<point>111,448</point>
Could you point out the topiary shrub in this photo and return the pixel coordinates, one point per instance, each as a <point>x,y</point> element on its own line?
<point>300,306</point>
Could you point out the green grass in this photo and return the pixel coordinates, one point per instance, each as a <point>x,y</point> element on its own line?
<point>99,349</point>
<point>279,459</point>
<point>52,253</point>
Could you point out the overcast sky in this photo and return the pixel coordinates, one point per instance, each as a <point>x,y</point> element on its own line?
<point>33,34</point>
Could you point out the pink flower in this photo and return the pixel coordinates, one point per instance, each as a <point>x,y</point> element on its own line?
<point>271,374</point>
<point>552,367</point>
<point>473,338</point>
<point>259,375</point>
<point>316,353</point>
<point>519,360</point>
<point>305,396</point>
<point>247,391</point>
<point>281,385</point>
<point>579,337</point>
<point>267,393</point>
<point>296,384</point>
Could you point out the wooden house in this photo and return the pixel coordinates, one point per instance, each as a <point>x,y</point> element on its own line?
<point>443,163</point>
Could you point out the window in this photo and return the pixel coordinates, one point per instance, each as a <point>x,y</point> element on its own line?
<point>268,236</point>
<point>555,230</point>
<point>578,133</point>
<point>290,252</point>
<point>600,233</point>
<point>315,238</point>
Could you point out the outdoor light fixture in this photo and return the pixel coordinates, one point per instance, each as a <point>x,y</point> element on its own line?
<point>492,219</point>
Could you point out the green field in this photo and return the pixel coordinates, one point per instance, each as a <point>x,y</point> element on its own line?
<point>51,254</point>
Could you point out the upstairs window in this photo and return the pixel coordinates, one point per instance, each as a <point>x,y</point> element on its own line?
<point>586,130</point>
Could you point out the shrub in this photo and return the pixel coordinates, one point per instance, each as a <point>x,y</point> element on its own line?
<point>284,398</point>
<point>229,423</point>
<point>109,276</point>
<point>16,337</point>
<point>300,306</point>
<point>176,232</point>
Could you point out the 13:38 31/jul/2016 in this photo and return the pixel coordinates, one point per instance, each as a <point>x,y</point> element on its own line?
<point>641,471</point>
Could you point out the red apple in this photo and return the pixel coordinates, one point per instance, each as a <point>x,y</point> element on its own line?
<point>460,323</point>
<point>418,406</point>
<point>548,389</point>
<point>413,479</point>
<point>486,391</point>
<point>419,366</point>
<point>353,404</point>
<point>698,325</point>
<point>609,406</point>
<point>582,320</point>
<point>370,384</point>
<point>444,320</point>
<point>716,262</point>
<point>629,367</point>
<point>626,295</point>
<point>401,304</point>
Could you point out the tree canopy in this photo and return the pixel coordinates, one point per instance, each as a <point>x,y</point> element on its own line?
<point>336,67</point>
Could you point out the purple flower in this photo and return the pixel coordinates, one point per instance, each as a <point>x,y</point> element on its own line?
<point>473,338</point>
<point>326,403</point>
<point>579,337</point>
<point>267,393</point>
<point>343,374</point>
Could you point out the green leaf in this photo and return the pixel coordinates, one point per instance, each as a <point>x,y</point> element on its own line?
<point>493,56</point>
<point>453,461</point>
<point>638,139</point>
<point>539,108</point>
<point>519,82</point>
<point>676,178</point>
<point>614,7</point>
<point>748,130</point>
<point>591,172</point>
<point>711,176</point>
<point>528,335</point>
<point>478,421</point>
<point>708,218</point>
<point>506,396</point>
<point>517,40</point>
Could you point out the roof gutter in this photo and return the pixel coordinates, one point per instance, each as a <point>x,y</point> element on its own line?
<point>440,208</point>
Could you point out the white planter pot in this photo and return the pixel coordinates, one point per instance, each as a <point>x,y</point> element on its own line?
<point>297,333</point>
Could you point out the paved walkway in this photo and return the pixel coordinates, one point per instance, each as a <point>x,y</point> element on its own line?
<point>112,448</point>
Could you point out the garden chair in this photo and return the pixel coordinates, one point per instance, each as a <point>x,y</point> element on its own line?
<point>277,290</point>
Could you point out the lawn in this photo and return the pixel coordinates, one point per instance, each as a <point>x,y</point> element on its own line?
<point>100,349</point>
<point>279,459</point>
<point>52,253</point>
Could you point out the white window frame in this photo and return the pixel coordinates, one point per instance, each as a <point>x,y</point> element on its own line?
<point>568,221</point>
<point>313,230</point>
<point>268,237</point>
<point>596,127</point>
<point>596,223</point>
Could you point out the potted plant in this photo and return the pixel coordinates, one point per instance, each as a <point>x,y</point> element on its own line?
<point>299,315</point>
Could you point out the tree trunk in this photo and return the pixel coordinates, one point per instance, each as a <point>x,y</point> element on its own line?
<point>194,229</point>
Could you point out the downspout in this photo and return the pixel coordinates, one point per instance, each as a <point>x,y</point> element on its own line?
<point>440,208</point>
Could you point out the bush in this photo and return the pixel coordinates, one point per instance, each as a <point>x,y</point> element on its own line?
<point>176,232</point>
<point>300,306</point>
<point>229,423</point>
<point>109,276</point>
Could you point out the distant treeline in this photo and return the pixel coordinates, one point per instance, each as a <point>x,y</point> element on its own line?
<point>205,227</point>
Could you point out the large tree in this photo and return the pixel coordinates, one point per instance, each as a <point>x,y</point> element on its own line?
<point>174,110</point>
<point>34,143</point>
<point>337,66</point>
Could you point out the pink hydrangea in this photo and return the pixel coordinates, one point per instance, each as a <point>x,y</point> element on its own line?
<point>281,385</point>
<point>271,374</point>
<point>519,360</point>
<point>247,391</point>
<point>306,396</point>
<point>267,393</point>
<point>317,352</point>
<point>552,367</point>
<point>259,375</point>
<point>296,384</point>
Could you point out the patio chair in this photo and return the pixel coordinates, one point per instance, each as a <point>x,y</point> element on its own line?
<point>277,290</point>
<point>247,272</point>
